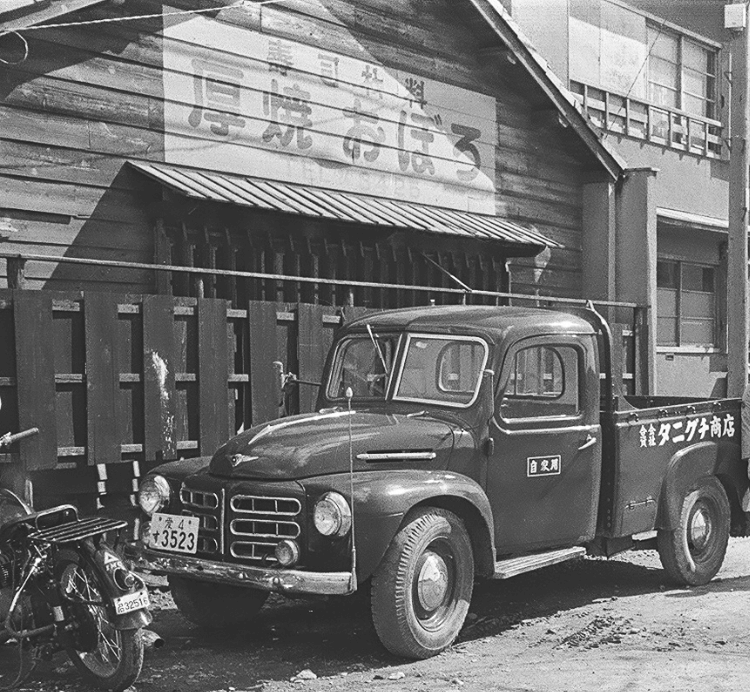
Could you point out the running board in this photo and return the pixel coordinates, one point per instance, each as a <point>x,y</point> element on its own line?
<point>504,569</point>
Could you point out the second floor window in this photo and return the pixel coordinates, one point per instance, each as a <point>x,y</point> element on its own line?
<point>681,73</point>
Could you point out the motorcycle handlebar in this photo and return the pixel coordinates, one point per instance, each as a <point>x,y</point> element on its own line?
<point>8,439</point>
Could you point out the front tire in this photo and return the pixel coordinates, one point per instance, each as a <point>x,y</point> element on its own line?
<point>422,589</point>
<point>216,605</point>
<point>106,657</point>
<point>694,551</point>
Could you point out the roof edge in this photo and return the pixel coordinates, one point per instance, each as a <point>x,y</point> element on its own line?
<point>506,28</point>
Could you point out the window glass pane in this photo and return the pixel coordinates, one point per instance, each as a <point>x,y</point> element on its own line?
<point>666,274</point>
<point>697,278</point>
<point>458,367</point>
<point>662,72</point>
<point>542,382</point>
<point>697,304</point>
<point>695,56</point>
<point>441,370</point>
<point>699,332</point>
<point>662,44</point>
<point>358,365</point>
<point>695,83</point>
<point>666,302</point>
<point>662,96</point>
<point>666,331</point>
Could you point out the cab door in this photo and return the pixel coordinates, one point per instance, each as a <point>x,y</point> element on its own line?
<point>544,472</point>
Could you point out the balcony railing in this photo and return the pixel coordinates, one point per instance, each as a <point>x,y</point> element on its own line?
<point>663,126</point>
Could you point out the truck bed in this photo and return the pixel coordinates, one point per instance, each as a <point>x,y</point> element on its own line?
<point>644,441</point>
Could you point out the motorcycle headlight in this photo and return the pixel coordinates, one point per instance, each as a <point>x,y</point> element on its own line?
<point>332,515</point>
<point>154,494</point>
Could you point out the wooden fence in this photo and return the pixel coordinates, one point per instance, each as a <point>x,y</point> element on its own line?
<point>119,383</point>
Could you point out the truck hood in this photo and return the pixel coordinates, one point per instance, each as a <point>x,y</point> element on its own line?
<point>318,444</point>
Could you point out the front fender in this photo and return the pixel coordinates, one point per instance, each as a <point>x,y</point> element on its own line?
<point>720,459</point>
<point>381,501</point>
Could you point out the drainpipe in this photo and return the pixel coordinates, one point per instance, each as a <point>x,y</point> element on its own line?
<point>735,19</point>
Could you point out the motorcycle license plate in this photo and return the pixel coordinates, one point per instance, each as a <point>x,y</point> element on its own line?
<point>174,533</point>
<point>131,602</point>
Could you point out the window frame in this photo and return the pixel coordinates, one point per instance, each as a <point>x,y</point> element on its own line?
<point>356,336</point>
<point>715,343</point>
<point>509,364</point>
<point>404,350</point>
<point>710,98</point>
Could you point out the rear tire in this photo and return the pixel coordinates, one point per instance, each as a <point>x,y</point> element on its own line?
<point>216,605</point>
<point>106,657</point>
<point>694,551</point>
<point>422,589</point>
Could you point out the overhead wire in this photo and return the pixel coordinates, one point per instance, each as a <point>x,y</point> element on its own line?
<point>106,20</point>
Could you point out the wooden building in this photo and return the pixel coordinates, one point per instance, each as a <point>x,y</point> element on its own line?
<point>398,152</point>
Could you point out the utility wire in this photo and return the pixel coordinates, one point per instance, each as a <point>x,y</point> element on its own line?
<point>58,25</point>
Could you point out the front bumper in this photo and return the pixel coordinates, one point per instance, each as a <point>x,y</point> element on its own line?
<point>285,581</point>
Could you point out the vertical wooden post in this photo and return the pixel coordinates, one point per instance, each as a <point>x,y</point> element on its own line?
<point>159,394</point>
<point>262,339</point>
<point>213,374</point>
<point>162,255</point>
<point>309,352</point>
<point>102,379</point>
<point>35,377</point>
<point>16,273</point>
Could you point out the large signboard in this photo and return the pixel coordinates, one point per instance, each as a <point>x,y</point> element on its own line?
<point>244,102</point>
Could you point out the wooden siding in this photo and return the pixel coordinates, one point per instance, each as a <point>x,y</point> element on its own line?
<point>87,99</point>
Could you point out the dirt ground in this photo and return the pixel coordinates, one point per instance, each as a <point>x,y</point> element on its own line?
<point>590,625</point>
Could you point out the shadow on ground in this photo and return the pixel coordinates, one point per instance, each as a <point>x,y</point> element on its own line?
<point>335,636</point>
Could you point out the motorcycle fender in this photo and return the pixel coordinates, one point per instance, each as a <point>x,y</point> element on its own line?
<point>133,621</point>
<point>382,501</point>
<point>107,562</point>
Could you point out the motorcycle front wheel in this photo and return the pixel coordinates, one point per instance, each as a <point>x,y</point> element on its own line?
<point>106,657</point>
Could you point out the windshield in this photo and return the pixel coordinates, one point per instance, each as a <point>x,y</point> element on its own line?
<point>363,363</point>
<point>445,370</point>
<point>435,369</point>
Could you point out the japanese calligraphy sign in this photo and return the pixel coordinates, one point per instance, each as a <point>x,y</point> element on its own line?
<point>244,102</point>
<point>543,466</point>
<point>713,426</point>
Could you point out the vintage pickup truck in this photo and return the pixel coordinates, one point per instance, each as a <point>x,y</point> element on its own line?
<point>449,443</point>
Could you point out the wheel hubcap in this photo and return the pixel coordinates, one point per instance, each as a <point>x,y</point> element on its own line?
<point>432,582</point>
<point>700,528</point>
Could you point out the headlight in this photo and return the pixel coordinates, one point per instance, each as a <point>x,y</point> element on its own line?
<point>154,494</point>
<point>332,516</point>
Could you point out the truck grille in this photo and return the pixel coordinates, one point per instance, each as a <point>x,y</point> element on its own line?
<point>207,506</point>
<point>259,522</point>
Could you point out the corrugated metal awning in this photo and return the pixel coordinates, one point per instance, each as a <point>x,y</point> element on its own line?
<point>335,205</point>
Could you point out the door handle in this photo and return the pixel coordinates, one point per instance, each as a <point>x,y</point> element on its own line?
<point>590,441</point>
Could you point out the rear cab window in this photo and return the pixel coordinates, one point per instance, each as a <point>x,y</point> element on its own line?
<point>543,381</point>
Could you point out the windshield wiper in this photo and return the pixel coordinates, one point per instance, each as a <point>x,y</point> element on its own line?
<point>377,348</point>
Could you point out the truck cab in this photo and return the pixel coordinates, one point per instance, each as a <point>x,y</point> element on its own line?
<point>448,443</point>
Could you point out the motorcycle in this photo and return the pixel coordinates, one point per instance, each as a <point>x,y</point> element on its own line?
<point>63,588</point>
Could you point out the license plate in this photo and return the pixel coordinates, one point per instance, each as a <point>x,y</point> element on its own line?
<point>174,533</point>
<point>131,602</point>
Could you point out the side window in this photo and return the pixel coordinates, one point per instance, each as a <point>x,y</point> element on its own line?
<point>543,382</point>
